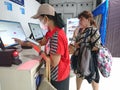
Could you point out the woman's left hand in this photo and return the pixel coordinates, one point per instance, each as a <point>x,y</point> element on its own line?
<point>77,45</point>
<point>71,48</point>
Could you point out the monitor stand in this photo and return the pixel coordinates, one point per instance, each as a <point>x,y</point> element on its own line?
<point>1,45</point>
<point>31,36</point>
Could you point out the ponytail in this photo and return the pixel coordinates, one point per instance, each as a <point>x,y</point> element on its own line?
<point>58,21</point>
<point>93,23</point>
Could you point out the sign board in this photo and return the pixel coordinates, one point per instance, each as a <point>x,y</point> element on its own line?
<point>20,2</point>
<point>72,24</point>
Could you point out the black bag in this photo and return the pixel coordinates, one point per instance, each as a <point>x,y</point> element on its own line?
<point>74,62</point>
<point>85,64</point>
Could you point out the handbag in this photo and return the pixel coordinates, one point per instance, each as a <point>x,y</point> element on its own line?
<point>74,59</point>
<point>45,83</point>
<point>104,61</point>
<point>85,61</point>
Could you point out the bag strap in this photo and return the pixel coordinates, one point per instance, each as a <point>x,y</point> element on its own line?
<point>47,68</point>
<point>93,44</point>
<point>93,33</point>
<point>95,41</point>
<point>88,33</point>
<point>47,71</point>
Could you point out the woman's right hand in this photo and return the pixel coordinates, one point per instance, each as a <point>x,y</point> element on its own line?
<point>18,41</point>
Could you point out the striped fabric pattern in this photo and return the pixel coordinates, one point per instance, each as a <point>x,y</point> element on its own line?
<point>91,37</point>
<point>54,43</point>
<point>54,73</point>
<point>53,50</point>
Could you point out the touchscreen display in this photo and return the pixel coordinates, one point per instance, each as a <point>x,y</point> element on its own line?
<point>10,30</point>
<point>36,31</point>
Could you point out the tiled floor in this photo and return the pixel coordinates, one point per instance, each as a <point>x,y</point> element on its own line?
<point>110,83</point>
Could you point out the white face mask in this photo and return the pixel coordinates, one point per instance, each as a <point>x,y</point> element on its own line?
<point>44,26</point>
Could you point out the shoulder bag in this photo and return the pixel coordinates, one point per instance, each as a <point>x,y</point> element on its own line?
<point>45,83</point>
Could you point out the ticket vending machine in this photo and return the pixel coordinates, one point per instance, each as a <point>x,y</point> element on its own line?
<point>25,76</point>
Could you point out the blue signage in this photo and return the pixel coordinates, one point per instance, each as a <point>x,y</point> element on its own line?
<point>20,2</point>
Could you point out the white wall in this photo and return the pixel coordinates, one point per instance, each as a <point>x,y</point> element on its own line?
<point>71,8</point>
<point>30,8</point>
<point>64,1</point>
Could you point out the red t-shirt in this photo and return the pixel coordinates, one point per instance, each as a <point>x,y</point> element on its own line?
<point>58,44</point>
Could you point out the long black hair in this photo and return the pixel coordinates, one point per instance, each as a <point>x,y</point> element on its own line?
<point>57,20</point>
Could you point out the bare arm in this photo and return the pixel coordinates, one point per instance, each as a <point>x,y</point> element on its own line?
<point>53,58</point>
<point>22,43</point>
<point>76,32</point>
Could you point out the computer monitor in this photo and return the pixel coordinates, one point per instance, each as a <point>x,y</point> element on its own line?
<point>36,31</point>
<point>10,30</point>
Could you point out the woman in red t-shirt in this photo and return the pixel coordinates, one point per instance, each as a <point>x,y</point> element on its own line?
<point>56,46</point>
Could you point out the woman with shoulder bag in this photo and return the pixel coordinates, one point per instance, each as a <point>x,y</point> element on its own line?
<point>87,34</point>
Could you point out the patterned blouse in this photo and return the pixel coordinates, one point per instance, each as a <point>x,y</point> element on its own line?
<point>90,36</point>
